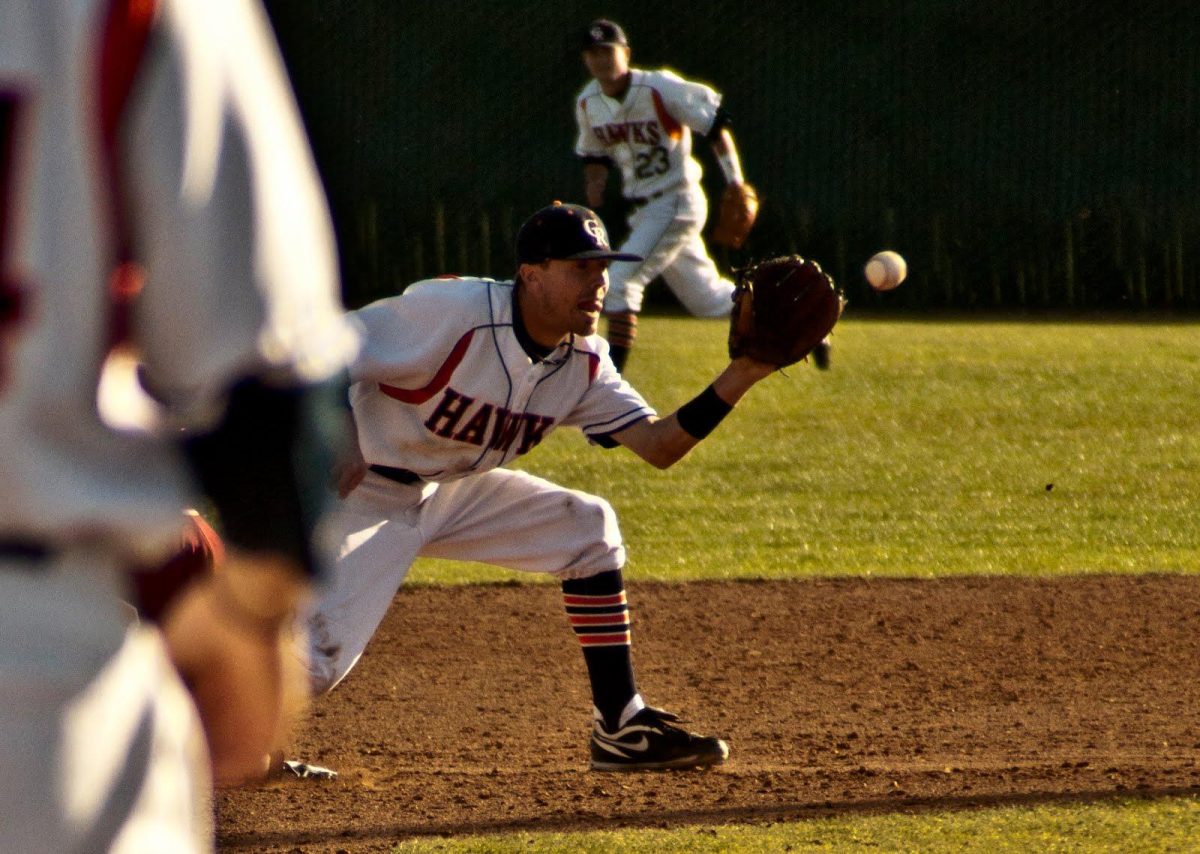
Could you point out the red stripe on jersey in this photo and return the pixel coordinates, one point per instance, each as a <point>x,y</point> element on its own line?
<point>593,367</point>
<point>673,128</point>
<point>595,601</point>
<point>126,32</point>
<point>619,619</point>
<point>604,640</point>
<point>440,379</point>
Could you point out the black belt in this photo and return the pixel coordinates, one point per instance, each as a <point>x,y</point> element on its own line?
<point>398,475</point>
<point>645,200</point>
<point>25,550</point>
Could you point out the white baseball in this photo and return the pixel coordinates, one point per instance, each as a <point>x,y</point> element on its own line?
<point>886,270</point>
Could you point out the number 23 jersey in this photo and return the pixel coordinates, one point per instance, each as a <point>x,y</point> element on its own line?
<point>647,132</point>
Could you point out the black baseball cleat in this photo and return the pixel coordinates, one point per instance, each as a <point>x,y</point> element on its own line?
<point>821,355</point>
<point>648,742</point>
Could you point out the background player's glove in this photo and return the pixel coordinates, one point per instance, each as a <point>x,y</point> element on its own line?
<point>782,308</point>
<point>739,210</point>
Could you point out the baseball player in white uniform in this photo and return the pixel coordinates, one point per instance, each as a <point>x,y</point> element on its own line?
<point>150,143</point>
<point>641,122</point>
<point>457,377</point>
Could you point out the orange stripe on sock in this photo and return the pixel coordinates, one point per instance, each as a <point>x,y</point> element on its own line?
<point>600,620</point>
<point>621,639</point>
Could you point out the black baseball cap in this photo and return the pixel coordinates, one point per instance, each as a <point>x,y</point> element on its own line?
<point>604,32</point>
<point>562,232</point>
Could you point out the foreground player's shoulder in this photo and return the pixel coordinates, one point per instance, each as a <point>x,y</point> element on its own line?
<point>593,351</point>
<point>434,300</point>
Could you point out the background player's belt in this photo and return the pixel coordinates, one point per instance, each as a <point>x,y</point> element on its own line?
<point>645,200</point>
<point>398,475</point>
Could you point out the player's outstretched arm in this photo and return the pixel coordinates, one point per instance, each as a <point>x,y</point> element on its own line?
<point>662,442</point>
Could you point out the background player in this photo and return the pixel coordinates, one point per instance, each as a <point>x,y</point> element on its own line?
<point>156,138</point>
<point>642,122</point>
<point>459,376</point>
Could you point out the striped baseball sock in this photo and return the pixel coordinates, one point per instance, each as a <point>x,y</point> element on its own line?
<point>599,616</point>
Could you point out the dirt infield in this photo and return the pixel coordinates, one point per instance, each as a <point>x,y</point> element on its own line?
<point>469,712</point>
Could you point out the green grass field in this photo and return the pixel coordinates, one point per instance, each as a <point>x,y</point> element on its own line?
<point>930,449</point>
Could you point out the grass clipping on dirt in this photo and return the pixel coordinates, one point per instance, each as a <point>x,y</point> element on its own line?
<point>929,449</point>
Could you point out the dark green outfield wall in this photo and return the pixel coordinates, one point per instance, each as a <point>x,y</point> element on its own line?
<point>1021,154</point>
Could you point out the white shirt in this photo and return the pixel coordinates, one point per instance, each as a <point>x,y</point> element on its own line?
<point>444,388</point>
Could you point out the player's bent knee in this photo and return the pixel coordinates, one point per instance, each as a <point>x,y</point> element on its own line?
<point>601,548</point>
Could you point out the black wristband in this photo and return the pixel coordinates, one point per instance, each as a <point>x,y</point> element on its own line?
<point>701,415</point>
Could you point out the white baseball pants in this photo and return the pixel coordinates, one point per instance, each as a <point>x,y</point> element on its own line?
<point>666,233</point>
<point>502,517</point>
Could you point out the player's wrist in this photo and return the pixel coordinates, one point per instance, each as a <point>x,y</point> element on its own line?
<point>752,369</point>
<point>701,415</point>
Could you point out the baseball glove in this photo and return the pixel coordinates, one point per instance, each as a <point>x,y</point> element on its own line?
<point>782,309</point>
<point>739,210</point>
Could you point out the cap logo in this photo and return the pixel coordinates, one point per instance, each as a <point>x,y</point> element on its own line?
<point>596,230</point>
<point>598,33</point>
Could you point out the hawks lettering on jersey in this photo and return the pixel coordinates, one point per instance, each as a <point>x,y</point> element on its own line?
<point>644,133</point>
<point>443,387</point>
<point>493,424</point>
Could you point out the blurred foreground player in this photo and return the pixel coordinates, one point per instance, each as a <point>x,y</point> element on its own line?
<point>151,143</point>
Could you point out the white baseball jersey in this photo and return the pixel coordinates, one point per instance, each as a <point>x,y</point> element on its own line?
<point>444,389</point>
<point>201,172</point>
<point>647,132</point>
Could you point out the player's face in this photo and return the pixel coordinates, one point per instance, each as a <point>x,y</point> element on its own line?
<point>608,63</point>
<point>563,297</point>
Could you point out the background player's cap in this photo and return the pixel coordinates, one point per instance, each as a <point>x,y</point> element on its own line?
<point>566,233</point>
<point>604,32</point>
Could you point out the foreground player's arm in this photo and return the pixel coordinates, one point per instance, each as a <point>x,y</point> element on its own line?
<point>231,635</point>
<point>664,441</point>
